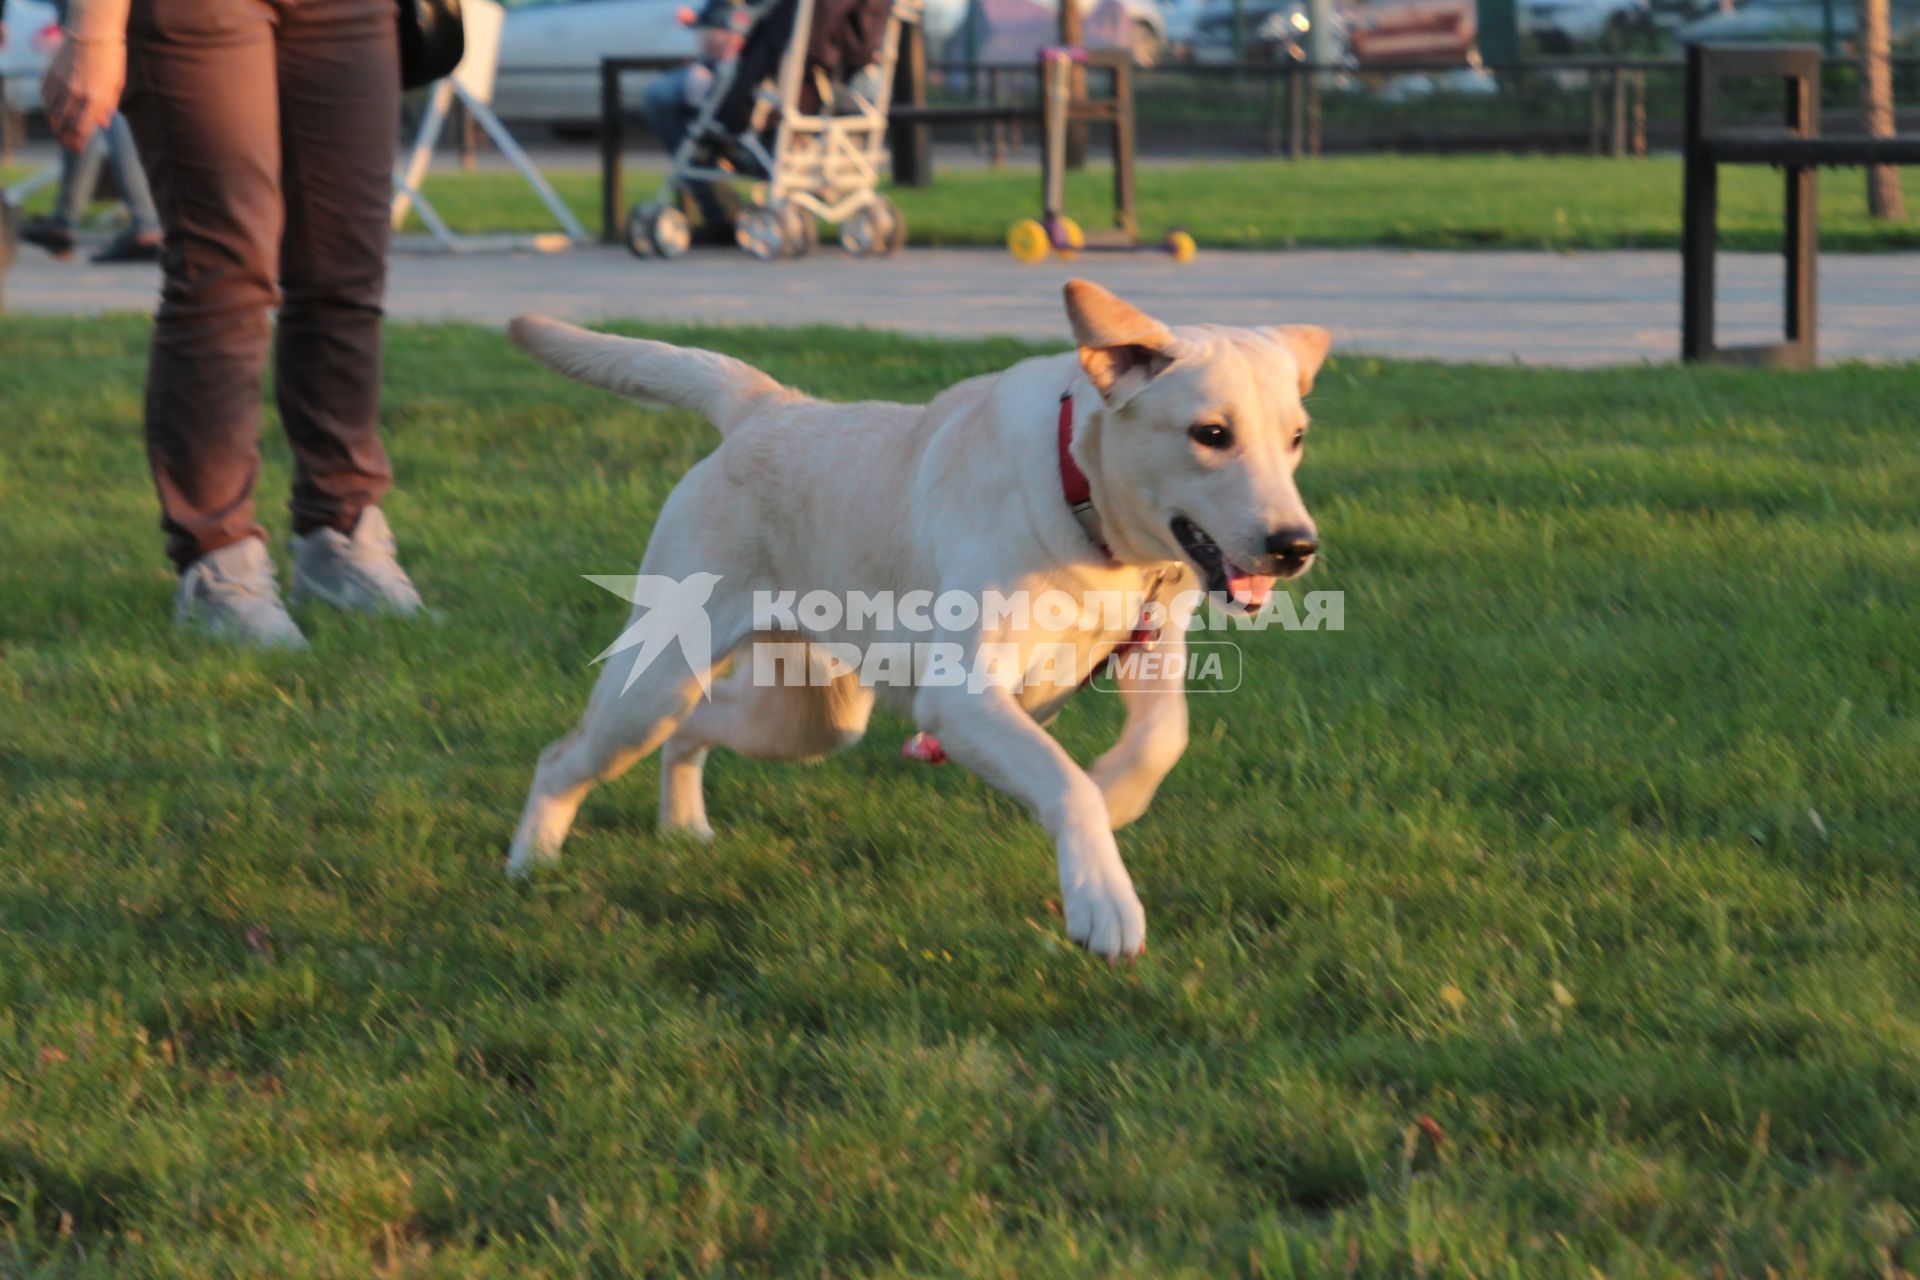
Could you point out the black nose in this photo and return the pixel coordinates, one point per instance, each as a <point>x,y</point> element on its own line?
<point>1292,545</point>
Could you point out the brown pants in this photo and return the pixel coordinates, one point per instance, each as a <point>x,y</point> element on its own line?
<point>267,127</point>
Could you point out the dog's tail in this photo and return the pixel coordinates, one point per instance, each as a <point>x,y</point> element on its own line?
<point>724,389</point>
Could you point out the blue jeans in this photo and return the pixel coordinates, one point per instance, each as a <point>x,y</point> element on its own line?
<point>669,117</point>
<point>80,174</point>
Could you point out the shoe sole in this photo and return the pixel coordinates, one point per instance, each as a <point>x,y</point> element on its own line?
<point>295,643</point>
<point>302,591</point>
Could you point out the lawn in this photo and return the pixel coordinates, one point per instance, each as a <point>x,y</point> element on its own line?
<point>1477,202</point>
<point>1503,202</point>
<point>1559,917</point>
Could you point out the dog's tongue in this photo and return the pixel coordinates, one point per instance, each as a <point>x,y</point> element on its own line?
<point>1249,589</point>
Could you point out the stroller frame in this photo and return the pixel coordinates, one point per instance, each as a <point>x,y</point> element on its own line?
<point>821,166</point>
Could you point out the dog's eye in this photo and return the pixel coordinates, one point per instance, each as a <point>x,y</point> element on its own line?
<point>1213,435</point>
<point>1299,439</point>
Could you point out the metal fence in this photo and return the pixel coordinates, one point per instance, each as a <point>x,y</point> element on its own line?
<point>1597,106</point>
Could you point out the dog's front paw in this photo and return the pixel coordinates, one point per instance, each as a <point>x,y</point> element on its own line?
<point>1104,915</point>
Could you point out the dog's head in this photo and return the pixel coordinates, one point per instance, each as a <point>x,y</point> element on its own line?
<point>1200,432</point>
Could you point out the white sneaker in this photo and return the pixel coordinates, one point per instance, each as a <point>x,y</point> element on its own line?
<point>232,593</point>
<point>358,572</point>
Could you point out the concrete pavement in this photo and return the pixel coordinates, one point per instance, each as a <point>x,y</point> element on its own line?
<point>1535,308</point>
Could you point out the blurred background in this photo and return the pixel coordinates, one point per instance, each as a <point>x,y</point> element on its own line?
<point>1387,75</point>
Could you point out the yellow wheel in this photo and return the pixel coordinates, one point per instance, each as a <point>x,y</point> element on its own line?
<point>1075,238</point>
<point>1181,246</point>
<point>1027,241</point>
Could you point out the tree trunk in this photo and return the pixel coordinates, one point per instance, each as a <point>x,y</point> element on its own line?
<point>1876,91</point>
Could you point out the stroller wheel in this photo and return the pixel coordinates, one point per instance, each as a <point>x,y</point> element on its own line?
<point>897,232</point>
<point>639,242</point>
<point>799,230</point>
<point>759,231</point>
<point>875,230</point>
<point>670,233</point>
<point>658,231</point>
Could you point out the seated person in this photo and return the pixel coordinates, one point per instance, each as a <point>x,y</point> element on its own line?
<point>674,99</point>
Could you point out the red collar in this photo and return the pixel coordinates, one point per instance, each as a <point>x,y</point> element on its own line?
<point>1074,485</point>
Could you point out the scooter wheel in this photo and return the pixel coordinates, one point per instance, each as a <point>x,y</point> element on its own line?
<point>1027,241</point>
<point>1068,238</point>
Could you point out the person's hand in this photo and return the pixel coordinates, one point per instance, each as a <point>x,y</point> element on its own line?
<point>81,89</point>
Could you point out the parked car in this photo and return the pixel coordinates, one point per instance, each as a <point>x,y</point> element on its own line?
<point>1562,26</point>
<point>1272,30</point>
<point>943,21</point>
<point>550,54</point>
<point>1793,20</point>
<point>32,33</point>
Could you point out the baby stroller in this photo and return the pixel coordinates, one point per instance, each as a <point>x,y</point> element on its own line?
<point>813,141</point>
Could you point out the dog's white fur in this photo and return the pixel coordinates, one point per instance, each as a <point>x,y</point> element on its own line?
<point>960,494</point>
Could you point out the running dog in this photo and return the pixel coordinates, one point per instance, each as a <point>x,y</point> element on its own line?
<point>1147,460</point>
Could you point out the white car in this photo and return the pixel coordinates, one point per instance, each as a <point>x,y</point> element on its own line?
<point>942,20</point>
<point>550,54</point>
<point>29,48</point>
<point>1560,26</point>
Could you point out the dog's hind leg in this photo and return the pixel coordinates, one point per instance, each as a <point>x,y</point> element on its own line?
<point>623,723</point>
<point>767,721</point>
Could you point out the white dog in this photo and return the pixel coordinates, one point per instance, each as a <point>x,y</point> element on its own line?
<point>1150,458</point>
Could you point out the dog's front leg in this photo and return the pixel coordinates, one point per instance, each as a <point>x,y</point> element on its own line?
<point>988,732</point>
<point>1153,684</point>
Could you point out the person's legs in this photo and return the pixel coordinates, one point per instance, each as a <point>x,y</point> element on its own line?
<point>339,108</point>
<point>339,83</point>
<point>79,176</point>
<point>134,191</point>
<point>665,107</point>
<point>662,107</point>
<point>202,100</point>
<point>139,241</point>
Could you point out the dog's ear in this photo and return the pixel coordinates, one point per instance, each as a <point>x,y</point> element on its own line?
<point>1116,339</point>
<point>1308,343</point>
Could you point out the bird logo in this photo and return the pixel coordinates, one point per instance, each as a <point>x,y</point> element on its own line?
<point>675,610</point>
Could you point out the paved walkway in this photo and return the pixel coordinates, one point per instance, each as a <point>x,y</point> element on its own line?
<point>1537,308</point>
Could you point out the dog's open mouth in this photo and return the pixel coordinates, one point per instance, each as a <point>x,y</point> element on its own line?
<point>1223,576</point>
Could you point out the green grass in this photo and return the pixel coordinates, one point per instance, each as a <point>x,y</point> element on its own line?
<point>1508,202</point>
<point>1589,846</point>
<point>1498,202</point>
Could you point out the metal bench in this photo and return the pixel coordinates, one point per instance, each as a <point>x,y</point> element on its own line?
<point>1795,146</point>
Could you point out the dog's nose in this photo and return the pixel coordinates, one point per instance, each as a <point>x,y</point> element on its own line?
<point>1292,546</point>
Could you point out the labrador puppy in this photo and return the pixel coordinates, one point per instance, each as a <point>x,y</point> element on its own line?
<point>1150,464</point>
